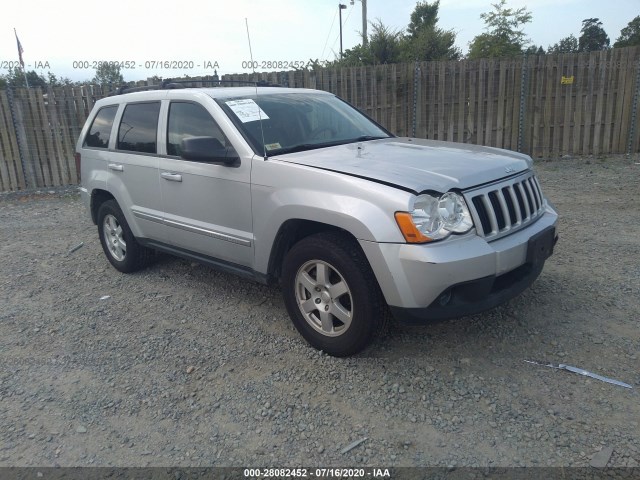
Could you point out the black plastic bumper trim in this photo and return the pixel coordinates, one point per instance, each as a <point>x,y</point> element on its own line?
<point>479,295</point>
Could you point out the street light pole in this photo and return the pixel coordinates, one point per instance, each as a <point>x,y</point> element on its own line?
<point>340,8</point>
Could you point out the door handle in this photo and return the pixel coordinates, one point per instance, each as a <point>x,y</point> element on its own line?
<point>172,177</point>
<point>116,167</point>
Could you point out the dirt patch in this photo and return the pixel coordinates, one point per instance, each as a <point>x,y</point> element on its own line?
<point>85,381</point>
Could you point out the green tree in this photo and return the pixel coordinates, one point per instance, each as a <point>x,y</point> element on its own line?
<point>629,35</point>
<point>352,57</point>
<point>566,45</point>
<point>425,15</point>
<point>424,40</point>
<point>15,78</point>
<point>592,36</point>
<point>384,43</point>
<point>108,73</point>
<point>534,50</point>
<point>315,64</point>
<point>154,80</point>
<point>384,46</point>
<point>431,44</point>
<point>504,36</point>
<point>58,82</point>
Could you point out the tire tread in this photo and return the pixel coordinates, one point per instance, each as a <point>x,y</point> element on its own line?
<point>341,244</point>
<point>138,256</point>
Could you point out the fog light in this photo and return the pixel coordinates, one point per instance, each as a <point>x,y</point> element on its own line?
<point>445,298</point>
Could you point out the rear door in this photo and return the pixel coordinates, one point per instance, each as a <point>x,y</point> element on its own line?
<point>95,148</point>
<point>133,165</point>
<point>207,207</point>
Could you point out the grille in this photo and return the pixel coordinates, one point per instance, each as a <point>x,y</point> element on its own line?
<point>504,207</point>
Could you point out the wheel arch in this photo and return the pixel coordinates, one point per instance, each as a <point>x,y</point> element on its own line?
<point>98,197</point>
<point>290,233</point>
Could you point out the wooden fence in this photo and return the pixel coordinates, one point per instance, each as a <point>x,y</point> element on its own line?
<point>545,106</point>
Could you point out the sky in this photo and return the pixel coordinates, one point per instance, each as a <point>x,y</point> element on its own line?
<point>69,38</point>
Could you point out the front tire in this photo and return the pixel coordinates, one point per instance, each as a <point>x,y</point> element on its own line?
<point>331,294</point>
<point>119,244</point>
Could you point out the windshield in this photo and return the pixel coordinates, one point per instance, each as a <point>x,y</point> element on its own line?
<point>294,122</point>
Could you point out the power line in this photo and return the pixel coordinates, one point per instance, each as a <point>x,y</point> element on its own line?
<point>329,34</point>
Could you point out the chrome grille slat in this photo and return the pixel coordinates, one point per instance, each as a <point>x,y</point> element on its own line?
<point>503,207</point>
<point>516,206</point>
<point>490,213</point>
<point>535,194</point>
<point>525,202</point>
<point>536,187</point>
<point>532,200</point>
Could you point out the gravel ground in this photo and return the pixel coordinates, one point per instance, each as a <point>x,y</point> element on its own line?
<point>180,365</point>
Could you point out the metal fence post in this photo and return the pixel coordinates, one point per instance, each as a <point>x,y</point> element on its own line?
<point>283,79</point>
<point>416,74</point>
<point>523,102</point>
<point>19,136</point>
<point>634,111</point>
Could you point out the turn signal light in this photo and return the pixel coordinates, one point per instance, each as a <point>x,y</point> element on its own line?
<point>409,230</point>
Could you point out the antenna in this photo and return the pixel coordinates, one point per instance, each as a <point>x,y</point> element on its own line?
<point>264,148</point>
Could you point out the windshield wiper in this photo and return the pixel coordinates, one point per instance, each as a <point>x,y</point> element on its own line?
<point>299,148</point>
<point>364,138</point>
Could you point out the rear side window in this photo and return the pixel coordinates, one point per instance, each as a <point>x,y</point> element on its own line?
<point>100,131</point>
<point>190,120</point>
<point>138,128</point>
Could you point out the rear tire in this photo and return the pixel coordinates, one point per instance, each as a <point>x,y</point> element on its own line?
<point>119,244</point>
<point>331,294</point>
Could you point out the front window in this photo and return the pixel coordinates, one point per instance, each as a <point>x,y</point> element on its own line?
<point>190,120</point>
<point>293,122</point>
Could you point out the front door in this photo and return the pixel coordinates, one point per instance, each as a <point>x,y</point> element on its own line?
<point>207,207</point>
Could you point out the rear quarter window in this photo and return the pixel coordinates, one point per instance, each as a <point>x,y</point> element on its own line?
<point>138,128</point>
<point>100,131</point>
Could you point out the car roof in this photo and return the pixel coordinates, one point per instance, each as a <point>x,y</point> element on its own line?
<point>213,92</point>
<point>242,91</point>
<point>219,92</point>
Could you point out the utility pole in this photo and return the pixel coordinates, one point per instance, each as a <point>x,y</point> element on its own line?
<point>364,21</point>
<point>340,8</point>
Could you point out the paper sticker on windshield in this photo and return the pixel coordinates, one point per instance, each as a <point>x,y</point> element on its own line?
<point>272,146</point>
<point>247,110</point>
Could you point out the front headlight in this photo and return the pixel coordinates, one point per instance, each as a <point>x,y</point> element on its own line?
<point>435,218</point>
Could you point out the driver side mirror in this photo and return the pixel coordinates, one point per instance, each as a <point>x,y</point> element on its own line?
<point>208,150</point>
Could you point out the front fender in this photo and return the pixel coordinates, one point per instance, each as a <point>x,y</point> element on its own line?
<point>364,209</point>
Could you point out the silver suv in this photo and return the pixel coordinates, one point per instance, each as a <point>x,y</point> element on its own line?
<point>297,187</point>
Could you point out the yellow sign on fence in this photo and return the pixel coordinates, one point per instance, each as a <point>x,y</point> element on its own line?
<point>567,80</point>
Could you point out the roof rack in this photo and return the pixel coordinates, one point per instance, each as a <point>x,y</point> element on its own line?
<point>173,84</point>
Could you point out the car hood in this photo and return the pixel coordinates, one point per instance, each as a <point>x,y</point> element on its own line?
<point>415,164</point>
